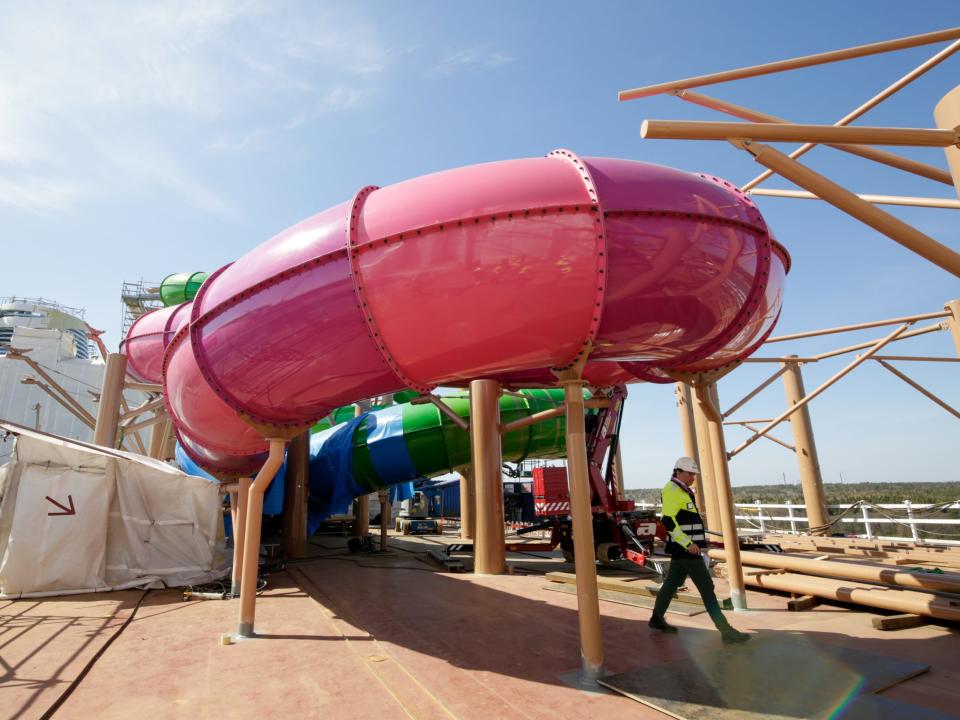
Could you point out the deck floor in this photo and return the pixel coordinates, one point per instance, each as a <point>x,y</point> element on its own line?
<point>387,636</point>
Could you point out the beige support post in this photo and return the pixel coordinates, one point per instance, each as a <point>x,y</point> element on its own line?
<point>239,531</point>
<point>584,553</point>
<point>468,504</point>
<point>806,449</point>
<point>489,556</point>
<point>251,539</point>
<point>384,497</point>
<point>158,439</point>
<point>108,411</point>
<point>361,505</point>
<point>953,322</point>
<point>709,506</point>
<point>731,542</point>
<point>295,496</point>
<point>688,430</point>
<point>947,116</point>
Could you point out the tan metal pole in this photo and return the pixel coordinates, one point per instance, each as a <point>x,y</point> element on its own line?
<point>905,200</point>
<point>731,541</point>
<point>872,102</point>
<point>687,427</point>
<point>953,322</point>
<point>239,526</point>
<point>108,411</point>
<point>239,531</point>
<point>688,430</point>
<point>361,505</point>
<point>859,326</point>
<point>860,359</point>
<point>158,438</point>
<point>791,132</point>
<point>840,197</point>
<point>385,512</point>
<point>918,387</point>
<point>489,556</point>
<point>578,475</point>
<point>81,411</point>
<point>468,503</point>
<point>811,479</point>
<point>251,539</point>
<point>295,491</point>
<point>793,63</point>
<point>708,477</point>
<point>947,115</point>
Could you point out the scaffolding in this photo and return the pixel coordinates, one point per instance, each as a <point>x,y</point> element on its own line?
<point>138,299</point>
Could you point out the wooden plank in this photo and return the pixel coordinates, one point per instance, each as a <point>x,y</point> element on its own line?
<point>636,585</point>
<point>633,599</point>
<point>803,602</point>
<point>899,622</point>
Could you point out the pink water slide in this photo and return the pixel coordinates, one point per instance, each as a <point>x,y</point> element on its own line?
<point>502,270</point>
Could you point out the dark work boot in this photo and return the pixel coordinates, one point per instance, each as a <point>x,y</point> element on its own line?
<point>733,637</point>
<point>658,623</point>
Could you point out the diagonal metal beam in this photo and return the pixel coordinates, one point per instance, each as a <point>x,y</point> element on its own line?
<point>803,402</point>
<point>793,63</point>
<point>840,197</point>
<point>918,387</point>
<point>869,104</point>
<point>865,151</point>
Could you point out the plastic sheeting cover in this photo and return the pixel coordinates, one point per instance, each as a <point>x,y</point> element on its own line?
<point>77,519</point>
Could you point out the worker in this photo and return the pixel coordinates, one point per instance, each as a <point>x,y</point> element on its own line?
<point>686,542</point>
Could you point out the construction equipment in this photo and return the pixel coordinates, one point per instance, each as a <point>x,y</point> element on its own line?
<point>414,517</point>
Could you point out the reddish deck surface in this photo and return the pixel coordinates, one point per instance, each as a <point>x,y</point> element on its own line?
<point>388,637</point>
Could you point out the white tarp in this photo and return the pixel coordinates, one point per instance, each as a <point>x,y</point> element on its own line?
<point>77,518</point>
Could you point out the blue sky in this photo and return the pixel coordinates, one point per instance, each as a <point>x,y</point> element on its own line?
<point>140,139</point>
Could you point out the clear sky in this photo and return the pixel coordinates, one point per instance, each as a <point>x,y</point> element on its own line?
<point>140,139</point>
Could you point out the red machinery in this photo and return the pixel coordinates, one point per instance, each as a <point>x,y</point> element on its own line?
<point>619,529</point>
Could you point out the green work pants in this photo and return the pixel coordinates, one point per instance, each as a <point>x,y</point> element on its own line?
<point>680,568</point>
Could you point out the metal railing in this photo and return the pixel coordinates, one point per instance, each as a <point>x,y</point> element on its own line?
<point>790,518</point>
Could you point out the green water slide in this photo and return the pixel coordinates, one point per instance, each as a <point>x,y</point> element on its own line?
<point>180,287</point>
<point>402,441</point>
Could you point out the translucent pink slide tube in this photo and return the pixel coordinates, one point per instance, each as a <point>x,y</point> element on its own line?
<point>499,270</point>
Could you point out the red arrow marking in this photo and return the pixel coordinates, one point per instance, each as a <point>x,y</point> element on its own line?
<point>66,510</point>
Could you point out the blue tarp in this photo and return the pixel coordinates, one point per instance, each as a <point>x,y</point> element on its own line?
<point>272,501</point>
<point>333,486</point>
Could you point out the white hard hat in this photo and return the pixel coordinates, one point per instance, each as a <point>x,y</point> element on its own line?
<point>687,465</point>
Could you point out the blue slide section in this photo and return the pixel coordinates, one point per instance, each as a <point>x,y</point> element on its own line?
<point>333,486</point>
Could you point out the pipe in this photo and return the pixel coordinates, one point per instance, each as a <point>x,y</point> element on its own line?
<point>585,567</point>
<point>487,459</point>
<point>793,63</point>
<point>838,196</point>
<point>886,598</point>
<point>790,132</point>
<point>709,507</point>
<point>468,504</point>
<point>710,405</point>
<point>866,572</point>
<point>296,486</point>
<point>239,533</point>
<point>251,540</point>
<point>906,200</point>
<point>108,412</point>
<point>806,450</point>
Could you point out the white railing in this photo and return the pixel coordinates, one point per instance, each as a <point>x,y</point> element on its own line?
<point>792,518</point>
